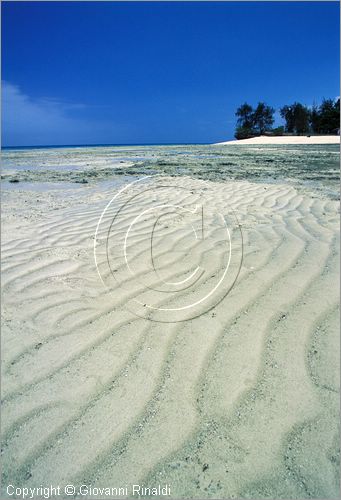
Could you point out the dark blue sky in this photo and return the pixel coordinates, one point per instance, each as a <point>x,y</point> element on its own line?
<point>164,72</point>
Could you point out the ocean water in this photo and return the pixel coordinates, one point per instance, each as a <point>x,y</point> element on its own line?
<point>311,167</point>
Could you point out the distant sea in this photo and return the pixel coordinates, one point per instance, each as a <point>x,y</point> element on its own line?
<point>63,146</point>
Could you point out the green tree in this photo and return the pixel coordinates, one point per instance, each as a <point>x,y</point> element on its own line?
<point>278,130</point>
<point>315,119</point>
<point>329,114</point>
<point>297,118</point>
<point>245,116</point>
<point>243,133</point>
<point>287,114</point>
<point>302,119</point>
<point>336,115</point>
<point>263,117</point>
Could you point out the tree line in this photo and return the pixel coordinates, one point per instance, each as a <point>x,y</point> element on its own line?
<point>299,119</point>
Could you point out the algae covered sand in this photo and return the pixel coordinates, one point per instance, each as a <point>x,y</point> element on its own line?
<point>316,166</point>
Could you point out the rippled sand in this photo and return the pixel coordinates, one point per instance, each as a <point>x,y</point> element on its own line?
<point>242,401</point>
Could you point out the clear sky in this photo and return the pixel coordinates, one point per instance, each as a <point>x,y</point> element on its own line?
<point>164,72</point>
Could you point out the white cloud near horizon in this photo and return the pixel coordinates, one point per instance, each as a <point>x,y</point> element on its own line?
<point>46,121</point>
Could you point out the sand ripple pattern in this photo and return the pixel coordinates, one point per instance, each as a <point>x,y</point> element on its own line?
<point>239,402</point>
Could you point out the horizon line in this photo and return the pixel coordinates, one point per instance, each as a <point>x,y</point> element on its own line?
<point>105,144</point>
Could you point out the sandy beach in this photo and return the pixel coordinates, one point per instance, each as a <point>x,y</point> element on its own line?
<point>170,304</point>
<point>285,140</point>
<point>240,401</point>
